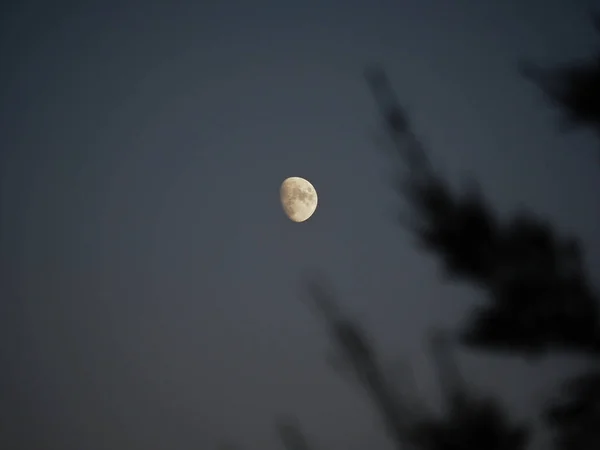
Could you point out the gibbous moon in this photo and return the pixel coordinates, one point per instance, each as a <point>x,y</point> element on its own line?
<point>298,198</point>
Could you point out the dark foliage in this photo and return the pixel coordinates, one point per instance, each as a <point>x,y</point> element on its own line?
<point>576,415</point>
<point>470,423</point>
<point>539,297</point>
<point>291,435</point>
<point>476,424</point>
<point>573,87</point>
<point>360,358</point>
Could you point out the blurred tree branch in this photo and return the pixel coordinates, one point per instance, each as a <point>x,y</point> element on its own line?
<point>290,434</point>
<point>358,355</point>
<point>539,295</point>
<point>573,87</point>
<point>469,422</point>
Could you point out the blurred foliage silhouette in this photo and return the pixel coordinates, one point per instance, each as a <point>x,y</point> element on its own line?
<point>573,87</point>
<point>359,357</point>
<point>476,424</point>
<point>469,422</point>
<point>291,435</point>
<point>575,415</point>
<point>539,296</point>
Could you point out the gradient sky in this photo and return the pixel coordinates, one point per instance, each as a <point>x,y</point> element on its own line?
<point>150,281</point>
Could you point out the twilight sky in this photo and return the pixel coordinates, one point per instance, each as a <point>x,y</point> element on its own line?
<point>150,284</point>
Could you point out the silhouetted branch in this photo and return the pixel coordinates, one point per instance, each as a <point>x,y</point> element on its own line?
<point>290,434</point>
<point>479,424</point>
<point>539,295</point>
<point>356,350</point>
<point>576,415</point>
<point>396,122</point>
<point>573,87</point>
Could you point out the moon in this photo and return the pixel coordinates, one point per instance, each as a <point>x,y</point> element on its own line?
<point>298,198</point>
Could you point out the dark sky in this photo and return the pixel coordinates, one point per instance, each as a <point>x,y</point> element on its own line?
<point>150,281</point>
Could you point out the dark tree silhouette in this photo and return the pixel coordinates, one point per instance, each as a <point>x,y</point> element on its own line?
<point>358,355</point>
<point>573,87</point>
<point>469,422</point>
<point>473,425</point>
<point>539,295</point>
<point>291,435</point>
